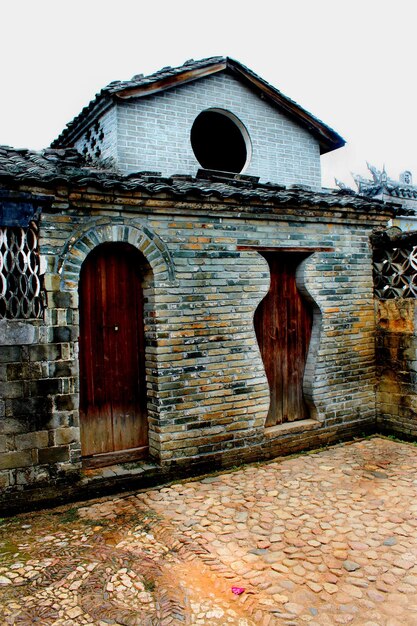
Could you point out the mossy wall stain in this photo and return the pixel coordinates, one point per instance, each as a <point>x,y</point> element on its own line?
<point>396,358</point>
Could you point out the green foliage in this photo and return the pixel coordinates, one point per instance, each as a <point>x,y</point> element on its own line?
<point>70,515</point>
<point>398,439</point>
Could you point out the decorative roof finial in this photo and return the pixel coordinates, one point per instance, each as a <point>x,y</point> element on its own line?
<point>406,177</point>
<point>376,174</point>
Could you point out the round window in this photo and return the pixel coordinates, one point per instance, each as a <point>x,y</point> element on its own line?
<point>220,141</point>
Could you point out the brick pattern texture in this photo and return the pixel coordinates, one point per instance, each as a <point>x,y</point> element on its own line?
<point>207,391</point>
<point>153,133</point>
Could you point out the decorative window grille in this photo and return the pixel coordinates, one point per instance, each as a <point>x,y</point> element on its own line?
<point>93,142</point>
<point>395,272</point>
<point>21,284</point>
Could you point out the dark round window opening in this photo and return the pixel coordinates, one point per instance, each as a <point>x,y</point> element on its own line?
<point>218,142</point>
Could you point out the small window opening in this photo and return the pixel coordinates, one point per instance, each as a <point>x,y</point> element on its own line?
<point>21,283</point>
<point>218,142</point>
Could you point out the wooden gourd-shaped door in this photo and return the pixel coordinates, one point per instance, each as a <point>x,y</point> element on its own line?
<point>283,323</point>
<point>113,416</point>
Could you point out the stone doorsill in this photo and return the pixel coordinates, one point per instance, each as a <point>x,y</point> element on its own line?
<point>118,457</point>
<point>290,428</point>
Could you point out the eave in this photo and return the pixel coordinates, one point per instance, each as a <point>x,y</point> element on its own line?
<point>75,129</point>
<point>168,78</point>
<point>170,82</point>
<point>328,139</point>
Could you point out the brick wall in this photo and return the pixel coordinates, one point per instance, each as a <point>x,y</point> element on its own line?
<point>397,366</point>
<point>218,291</point>
<point>153,133</point>
<point>37,428</point>
<point>207,391</point>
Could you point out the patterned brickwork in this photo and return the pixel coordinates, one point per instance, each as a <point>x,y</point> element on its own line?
<point>154,133</point>
<point>395,272</point>
<point>207,391</point>
<point>98,142</point>
<point>21,286</point>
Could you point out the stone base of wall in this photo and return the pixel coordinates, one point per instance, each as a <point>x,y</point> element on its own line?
<point>396,357</point>
<point>87,484</point>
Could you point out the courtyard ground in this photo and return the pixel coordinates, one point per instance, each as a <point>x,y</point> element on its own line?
<point>322,539</point>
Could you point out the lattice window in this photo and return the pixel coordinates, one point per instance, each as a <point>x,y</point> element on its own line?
<point>21,285</point>
<point>395,272</point>
<point>93,142</point>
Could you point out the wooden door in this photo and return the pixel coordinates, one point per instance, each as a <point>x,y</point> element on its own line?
<point>113,414</point>
<point>283,323</point>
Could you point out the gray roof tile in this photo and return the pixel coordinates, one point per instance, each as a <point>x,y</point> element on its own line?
<point>173,76</point>
<point>50,167</point>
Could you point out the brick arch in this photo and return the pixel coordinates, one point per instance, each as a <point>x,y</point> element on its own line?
<point>107,231</point>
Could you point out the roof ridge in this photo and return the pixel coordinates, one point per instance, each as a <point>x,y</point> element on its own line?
<point>140,79</point>
<point>169,77</point>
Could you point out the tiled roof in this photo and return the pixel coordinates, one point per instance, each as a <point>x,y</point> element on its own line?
<point>381,184</point>
<point>398,191</point>
<point>393,238</point>
<point>50,167</point>
<point>390,188</point>
<point>166,72</point>
<point>167,77</point>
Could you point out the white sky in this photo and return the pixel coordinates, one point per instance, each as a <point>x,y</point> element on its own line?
<point>349,62</point>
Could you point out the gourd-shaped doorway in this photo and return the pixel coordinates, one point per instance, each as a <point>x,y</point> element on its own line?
<point>283,323</point>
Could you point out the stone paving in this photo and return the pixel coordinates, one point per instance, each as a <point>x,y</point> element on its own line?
<point>321,539</point>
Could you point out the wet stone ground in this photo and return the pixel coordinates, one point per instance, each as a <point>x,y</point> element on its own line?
<point>321,539</point>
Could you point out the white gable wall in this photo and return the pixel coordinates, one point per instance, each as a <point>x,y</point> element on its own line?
<point>153,133</point>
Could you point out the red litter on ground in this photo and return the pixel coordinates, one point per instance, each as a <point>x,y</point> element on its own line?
<point>237,590</point>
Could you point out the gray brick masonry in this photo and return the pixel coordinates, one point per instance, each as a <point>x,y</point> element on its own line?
<point>208,396</point>
<point>153,133</point>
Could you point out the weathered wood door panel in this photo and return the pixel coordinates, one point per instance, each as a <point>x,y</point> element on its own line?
<point>283,323</point>
<point>112,371</point>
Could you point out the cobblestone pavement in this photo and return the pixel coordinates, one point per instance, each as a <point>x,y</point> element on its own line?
<point>321,539</point>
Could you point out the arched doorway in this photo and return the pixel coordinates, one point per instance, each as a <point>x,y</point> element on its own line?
<point>113,414</point>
